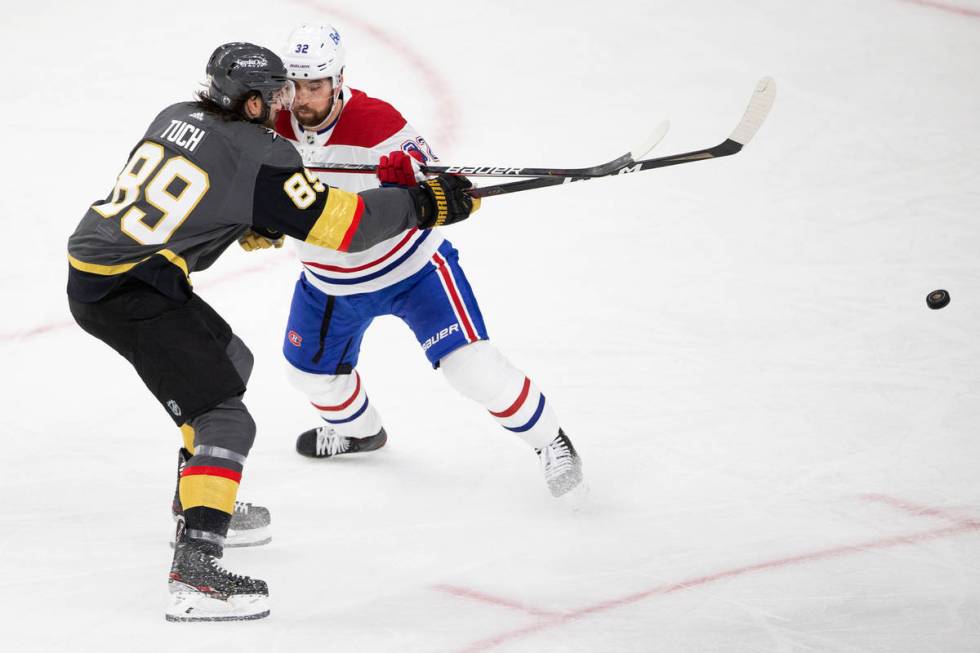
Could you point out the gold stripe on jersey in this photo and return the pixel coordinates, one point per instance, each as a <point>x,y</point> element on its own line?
<point>119,268</point>
<point>176,259</point>
<point>335,220</point>
<point>96,268</point>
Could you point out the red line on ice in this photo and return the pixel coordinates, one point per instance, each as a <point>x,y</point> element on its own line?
<point>467,593</point>
<point>41,329</point>
<point>942,6</point>
<point>31,332</point>
<point>962,526</point>
<point>918,510</point>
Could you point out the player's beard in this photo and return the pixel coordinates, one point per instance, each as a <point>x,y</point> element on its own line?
<point>308,118</point>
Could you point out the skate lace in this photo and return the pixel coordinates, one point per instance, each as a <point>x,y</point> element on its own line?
<point>224,572</point>
<point>556,459</point>
<point>329,442</point>
<point>242,507</point>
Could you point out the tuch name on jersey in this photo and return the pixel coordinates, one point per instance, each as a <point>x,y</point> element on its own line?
<point>183,134</point>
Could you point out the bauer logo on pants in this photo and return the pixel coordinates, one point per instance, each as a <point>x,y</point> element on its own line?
<point>439,336</point>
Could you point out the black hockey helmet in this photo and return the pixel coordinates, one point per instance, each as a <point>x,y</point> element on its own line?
<point>237,69</point>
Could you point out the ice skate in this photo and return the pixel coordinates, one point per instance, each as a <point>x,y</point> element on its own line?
<point>250,524</point>
<point>562,469</point>
<point>325,442</point>
<point>202,590</point>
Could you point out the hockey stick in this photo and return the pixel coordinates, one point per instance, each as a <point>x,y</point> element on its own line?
<point>755,114</point>
<point>600,170</point>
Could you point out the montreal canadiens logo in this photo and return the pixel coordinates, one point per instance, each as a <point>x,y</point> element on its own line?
<point>413,150</point>
<point>295,338</point>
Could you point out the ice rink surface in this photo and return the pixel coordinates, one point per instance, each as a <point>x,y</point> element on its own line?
<point>781,439</point>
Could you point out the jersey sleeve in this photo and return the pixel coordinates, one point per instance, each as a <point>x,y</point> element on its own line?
<point>294,202</point>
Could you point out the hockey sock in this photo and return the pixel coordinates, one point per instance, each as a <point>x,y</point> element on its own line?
<point>525,412</point>
<point>208,496</point>
<point>208,486</point>
<point>341,401</point>
<point>479,371</point>
<point>187,432</point>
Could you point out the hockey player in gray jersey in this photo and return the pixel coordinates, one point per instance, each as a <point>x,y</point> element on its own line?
<point>205,175</point>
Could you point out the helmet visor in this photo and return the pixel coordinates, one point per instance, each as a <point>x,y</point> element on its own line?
<point>284,96</point>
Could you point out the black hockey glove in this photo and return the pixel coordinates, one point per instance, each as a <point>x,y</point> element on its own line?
<point>442,201</point>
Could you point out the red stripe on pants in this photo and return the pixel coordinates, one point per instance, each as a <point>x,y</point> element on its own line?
<point>454,296</point>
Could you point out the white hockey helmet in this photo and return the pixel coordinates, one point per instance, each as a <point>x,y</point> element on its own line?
<point>315,52</point>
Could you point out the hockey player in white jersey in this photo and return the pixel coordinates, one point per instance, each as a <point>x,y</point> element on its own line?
<point>415,275</point>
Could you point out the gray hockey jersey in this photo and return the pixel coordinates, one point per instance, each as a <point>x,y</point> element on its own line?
<point>194,184</point>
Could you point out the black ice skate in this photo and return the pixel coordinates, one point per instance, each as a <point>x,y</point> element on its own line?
<point>250,524</point>
<point>202,590</point>
<point>324,442</point>
<point>562,468</point>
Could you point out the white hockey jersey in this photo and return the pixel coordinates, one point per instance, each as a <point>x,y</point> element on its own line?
<point>366,129</point>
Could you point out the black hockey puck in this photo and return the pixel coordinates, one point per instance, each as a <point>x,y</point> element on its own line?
<point>937,299</point>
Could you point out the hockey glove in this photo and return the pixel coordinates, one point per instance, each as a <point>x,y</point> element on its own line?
<point>399,169</point>
<point>442,201</point>
<point>256,238</point>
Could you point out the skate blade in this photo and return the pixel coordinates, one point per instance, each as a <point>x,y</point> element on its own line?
<point>575,498</point>
<point>248,537</point>
<point>197,606</point>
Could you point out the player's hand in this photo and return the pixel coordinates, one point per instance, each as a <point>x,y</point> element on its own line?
<point>252,240</point>
<point>443,200</point>
<point>399,169</point>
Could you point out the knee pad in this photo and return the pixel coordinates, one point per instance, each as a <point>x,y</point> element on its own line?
<point>480,372</point>
<point>241,357</point>
<point>228,427</point>
<point>321,388</point>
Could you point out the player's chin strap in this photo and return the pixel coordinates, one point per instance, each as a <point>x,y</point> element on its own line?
<point>333,115</point>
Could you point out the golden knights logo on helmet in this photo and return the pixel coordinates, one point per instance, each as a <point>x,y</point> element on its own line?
<point>256,62</point>
<point>237,69</point>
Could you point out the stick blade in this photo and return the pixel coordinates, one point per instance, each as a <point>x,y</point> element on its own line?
<point>756,112</point>
<point>651,141</point>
